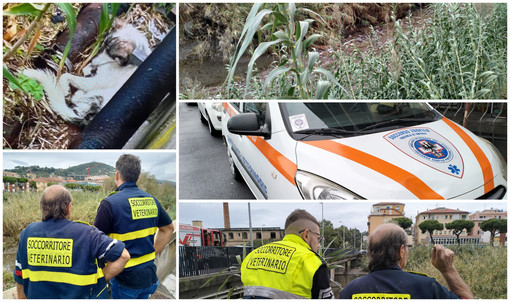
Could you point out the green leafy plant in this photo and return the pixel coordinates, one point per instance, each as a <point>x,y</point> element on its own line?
<point>26,84</point>
<point>105,23</point>
<point>68,9</point>
<point>39,11</point>
<point>24,9</point>
<point>289,35</point>
<point>331,260</point>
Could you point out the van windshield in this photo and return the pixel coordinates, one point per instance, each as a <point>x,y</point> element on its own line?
<point>306,120</point>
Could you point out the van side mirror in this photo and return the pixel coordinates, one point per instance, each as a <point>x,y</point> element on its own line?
<point>248,124</point>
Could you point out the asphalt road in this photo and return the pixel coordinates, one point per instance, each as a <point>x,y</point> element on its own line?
<point>204,172</point>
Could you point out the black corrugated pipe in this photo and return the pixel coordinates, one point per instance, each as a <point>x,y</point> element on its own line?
<point>134,102</point>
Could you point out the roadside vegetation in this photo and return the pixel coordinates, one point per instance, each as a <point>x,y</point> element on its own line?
<point>456,51</point>
<point>483,268</point>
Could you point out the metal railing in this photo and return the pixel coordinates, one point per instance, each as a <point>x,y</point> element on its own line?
<point>200,260</point>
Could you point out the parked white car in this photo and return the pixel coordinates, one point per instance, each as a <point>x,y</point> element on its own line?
<point>358,151</point>
<point>210,114</point>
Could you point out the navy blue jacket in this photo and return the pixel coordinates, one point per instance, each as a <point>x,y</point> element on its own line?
<point>395,283</point>
<point>132,216</point>
<point>59,260</point>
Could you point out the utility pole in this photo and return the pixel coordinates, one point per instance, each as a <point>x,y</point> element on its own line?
<point>261,235</point>
<point>251,233</point>
<point>322,226</point>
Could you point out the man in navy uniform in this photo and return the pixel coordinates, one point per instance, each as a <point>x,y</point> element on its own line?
<point>133,216</point>
<point>387,252</point>
<point>58,258</point>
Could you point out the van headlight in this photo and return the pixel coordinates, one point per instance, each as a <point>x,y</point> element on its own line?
<point>217,106</point>
<point>312,186</point>
<point>499,157</point>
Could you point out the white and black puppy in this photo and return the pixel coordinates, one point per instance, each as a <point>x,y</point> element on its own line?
<point>78,99</point>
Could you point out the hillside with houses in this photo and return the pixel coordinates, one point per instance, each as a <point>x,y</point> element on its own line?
<point>35,178</point>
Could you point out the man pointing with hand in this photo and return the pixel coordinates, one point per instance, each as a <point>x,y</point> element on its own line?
<point>387,252</point>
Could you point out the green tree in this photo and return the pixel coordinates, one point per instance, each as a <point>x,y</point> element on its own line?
<point>458,226</point>
<point>495,226</point>
<point>72,186</point>
<point>403,222</point>
<point>91,188</point>
<point>164,192</point>
<point>8,179</point>
<point>330,234</point>
<point>33,184</point>
<point>430,226</point>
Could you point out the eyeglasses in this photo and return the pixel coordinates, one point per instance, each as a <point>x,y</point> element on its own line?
<point>320,238</point>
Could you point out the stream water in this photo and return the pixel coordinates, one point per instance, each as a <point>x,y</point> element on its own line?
<point>211,71</point>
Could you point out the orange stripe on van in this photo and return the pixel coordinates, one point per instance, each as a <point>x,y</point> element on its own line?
<point>285,166</point>
<point>406,179</point>
<point>483,161</point>
<point>229,109</point>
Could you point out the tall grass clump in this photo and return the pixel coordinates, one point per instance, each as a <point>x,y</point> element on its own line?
<point>483,268</point>
<point>22,208</point>
<point>296,65</point>
<point>460,53</point>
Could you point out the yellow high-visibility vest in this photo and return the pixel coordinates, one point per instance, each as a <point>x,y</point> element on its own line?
<point>281,270</point>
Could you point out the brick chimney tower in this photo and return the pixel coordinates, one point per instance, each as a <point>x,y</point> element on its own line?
<point>226,216</point>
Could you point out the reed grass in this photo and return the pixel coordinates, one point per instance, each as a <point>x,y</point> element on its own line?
<point>483,268</point>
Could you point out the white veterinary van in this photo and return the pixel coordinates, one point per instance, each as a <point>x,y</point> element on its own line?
<point>397,150</point>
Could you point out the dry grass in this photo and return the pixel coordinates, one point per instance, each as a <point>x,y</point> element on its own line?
<point>483,268</point>
<point>31,124</point>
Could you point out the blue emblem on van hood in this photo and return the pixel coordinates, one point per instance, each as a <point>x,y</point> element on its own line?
<point>430,149</point>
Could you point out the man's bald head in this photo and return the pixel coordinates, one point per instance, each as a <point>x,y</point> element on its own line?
<point>299,220</point>
<point>54,202</point>
<point>384,246</point>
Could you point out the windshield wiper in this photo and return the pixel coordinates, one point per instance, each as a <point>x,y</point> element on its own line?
<point>398,121</point>
<point>327,131</point>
